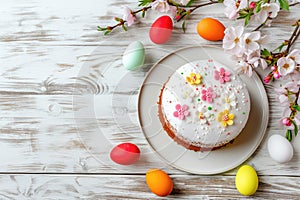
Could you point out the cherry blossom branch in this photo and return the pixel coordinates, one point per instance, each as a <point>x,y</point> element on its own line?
<point>187,13</point>
<point>121,22</point>
<point>294,107</point>
<point>293,37</point>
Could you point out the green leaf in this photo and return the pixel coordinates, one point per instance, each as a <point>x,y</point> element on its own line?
<point>220,1</point>
<point>144,2</point>
<point>107,32</point>
<point>190,3</point>
<point>265,52</point>
<point>101,29</point>
<point>295,127</point>
<point>124,27</point>
<point>247,19</point>
<point>258,6</point>
<point>297,107</point>
<point>143,13</point>
<point>289,136</point>
<point>284,5</point>
<point>183,26</point>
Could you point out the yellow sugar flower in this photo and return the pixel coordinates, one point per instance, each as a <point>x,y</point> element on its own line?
<point>225,118</point>
<point>194,79</point>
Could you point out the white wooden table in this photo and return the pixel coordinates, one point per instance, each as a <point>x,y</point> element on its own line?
<point>55,95</point>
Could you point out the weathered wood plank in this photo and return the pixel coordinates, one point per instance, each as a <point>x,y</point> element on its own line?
<point>134,187</point>
<point>65,145</point>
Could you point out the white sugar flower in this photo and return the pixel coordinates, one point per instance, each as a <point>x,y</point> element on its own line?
<point>267,10</point>
<point>230,101</point>
<point>233,6</point>
<point>128,16</point>
<point>232,42</point>
<point>251,41</point>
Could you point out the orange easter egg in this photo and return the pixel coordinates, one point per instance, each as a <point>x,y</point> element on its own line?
<point>211,29</point>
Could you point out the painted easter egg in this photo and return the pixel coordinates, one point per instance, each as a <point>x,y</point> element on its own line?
<point>161,30</point>
<point>280,149</point>
<point>246,180</point>
<point>211,29</point>
<point>159,182</point>
<point>134,56</point>
<point>125,154</point>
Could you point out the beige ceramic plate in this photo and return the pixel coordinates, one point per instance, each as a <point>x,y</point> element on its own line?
<point>213,162</point>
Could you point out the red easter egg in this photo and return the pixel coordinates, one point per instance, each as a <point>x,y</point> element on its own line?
<point>125,154</point>
<point>161,30</point>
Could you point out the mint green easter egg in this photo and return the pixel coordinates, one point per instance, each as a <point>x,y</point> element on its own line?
<point>134,56</point>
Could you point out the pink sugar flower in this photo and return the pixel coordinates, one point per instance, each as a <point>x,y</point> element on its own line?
<point>222,75</point>
<point>181,111</point>
<point>208,95</point>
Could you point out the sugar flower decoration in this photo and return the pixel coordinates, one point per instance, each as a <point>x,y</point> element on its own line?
<point>225,118</point>
<point>230,101</point>
<point>208,95</point>
<point>222,75</point>
<point>181,111</point>
<point>194,79</point>
<point>128,16</point>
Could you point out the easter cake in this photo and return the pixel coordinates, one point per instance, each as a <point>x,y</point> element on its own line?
<point>203,105</point>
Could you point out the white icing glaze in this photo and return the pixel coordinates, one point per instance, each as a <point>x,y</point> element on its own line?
<point>207,131</point>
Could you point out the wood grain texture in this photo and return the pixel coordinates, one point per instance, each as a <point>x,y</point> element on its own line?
<point>65,101</point>
<point>134,187</point>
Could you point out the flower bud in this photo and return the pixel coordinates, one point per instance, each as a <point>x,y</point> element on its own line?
<point>252,5</point>
<point>267,79</point>
<point>276,75</point>
<point>273,68</point>
<point>286,121</point>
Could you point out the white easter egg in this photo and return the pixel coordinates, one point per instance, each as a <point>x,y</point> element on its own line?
<point>280,149</point>
<point>134,56</point>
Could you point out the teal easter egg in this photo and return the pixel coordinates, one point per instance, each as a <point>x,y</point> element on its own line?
<point>134,56</point>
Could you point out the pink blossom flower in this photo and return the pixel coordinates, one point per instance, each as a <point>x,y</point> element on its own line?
<point>255,59</point>
<point>286,65</point>
<point>164,7</point>
<point>222,75</point>
<point>295,55</point>
<point>283,94</point>
<point>232,42</point>
<point>287,112</point>
<point>128,16</point>
<point>232,7</point>
<point>181,111</point>
<point>208,95</point>
<point>245,68</point>
<point>267,10</point>
<point>250,41</point>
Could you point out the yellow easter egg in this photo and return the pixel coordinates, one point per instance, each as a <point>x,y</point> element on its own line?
<point>246,180</point>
